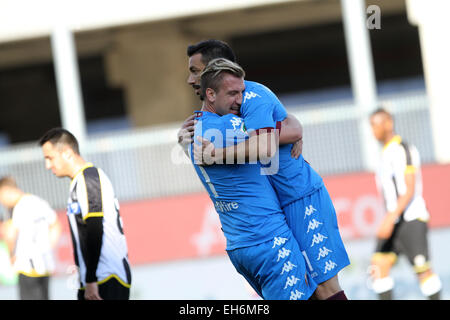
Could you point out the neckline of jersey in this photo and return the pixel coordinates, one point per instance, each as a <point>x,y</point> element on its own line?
<point>395,139</point>
<point>87,165</point>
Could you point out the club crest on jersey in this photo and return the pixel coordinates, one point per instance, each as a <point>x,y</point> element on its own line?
<point>237,123</point>
<point>73,208</point>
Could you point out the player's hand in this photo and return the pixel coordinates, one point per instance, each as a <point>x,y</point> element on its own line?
<point>91,291</point>
<point>204,153</point>
<point>186,132</point>
<point>297,149</point>
<point>387,226</point>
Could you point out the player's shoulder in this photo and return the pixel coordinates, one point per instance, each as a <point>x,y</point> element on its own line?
<point>258,88</point>
<point>255,91</point>
<point>398,145</point>
<point>30,202</point>
<point>209,120</point>
<point>91,170</point>
<point>92,174</point>
<point>254,85</point>
<point>29,199</point>
<point>406,145</point>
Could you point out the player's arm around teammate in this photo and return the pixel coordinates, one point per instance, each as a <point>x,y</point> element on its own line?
<point>261,146</point>
<point>186,133</point>
<point>261,109</point>
<point>291,131</point>
<point>199,55</point>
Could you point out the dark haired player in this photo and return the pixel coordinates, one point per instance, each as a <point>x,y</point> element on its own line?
<point>301,192</point>
<point>99,244</point>
<point>404,227</point>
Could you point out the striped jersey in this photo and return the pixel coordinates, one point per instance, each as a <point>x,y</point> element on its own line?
<point>399,158</point>
<point>92,195</point>
<point>32,217</point>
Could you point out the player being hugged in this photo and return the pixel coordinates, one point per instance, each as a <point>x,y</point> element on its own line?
<point>259,242</point>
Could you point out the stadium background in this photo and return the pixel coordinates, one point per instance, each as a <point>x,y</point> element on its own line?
<point>132,70</point>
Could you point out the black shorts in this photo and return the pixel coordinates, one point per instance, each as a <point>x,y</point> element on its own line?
<point>411,239</point>
<point>33,288</point>
<point>110,290</point>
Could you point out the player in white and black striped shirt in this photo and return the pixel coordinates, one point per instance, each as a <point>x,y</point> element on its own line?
<point>31,234</point>
<point>404,227</point>
<point>100,248</point>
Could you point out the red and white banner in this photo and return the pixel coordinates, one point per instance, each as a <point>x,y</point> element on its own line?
<point>188,227</point>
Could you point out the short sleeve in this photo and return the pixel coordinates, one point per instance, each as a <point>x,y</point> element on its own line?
<point>19,213</point>
<point>89,194</point>
<point>259,115</point>
<point>50,214</point>
<point>404,160</point>
<point>279,112</point>
<point>260,107</point>
<point>16,218</point>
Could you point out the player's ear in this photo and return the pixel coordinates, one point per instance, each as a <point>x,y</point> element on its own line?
<point>210,94</point>
<point>67,153</point>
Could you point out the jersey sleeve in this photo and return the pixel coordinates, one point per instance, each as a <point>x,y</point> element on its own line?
<point>279,112</point>
<point>90,197</point>
<point>259,115</point>
<point>91,204</point>
<point>261,108</point>
<point>21,212</point>
<point>412,159</point>
<point>47,212</point>
<point>404,160</point>
<point>16,218</point>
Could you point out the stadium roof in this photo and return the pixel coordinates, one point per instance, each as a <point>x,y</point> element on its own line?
<point>24,19</point>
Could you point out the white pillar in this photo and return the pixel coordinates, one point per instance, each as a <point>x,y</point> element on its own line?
<point>68,82</point>
<point>434,29</point>
<point>362,75</point>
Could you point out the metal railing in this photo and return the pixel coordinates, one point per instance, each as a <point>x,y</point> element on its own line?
<point>148,163</point>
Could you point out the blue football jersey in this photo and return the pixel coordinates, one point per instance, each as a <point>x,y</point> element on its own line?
<point>292,178</point>
<point>245,200</point>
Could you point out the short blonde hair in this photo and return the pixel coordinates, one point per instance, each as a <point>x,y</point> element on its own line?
<point>212,75</point>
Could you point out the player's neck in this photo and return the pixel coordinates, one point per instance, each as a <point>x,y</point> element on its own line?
<point>388,138</point>
<point>208,107</point>
<point>18,194</point>
<point>77,166</point>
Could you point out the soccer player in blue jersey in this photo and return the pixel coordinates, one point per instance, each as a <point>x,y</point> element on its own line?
<point>260,244</point>
<point>303,196</point>
<point>199,56</point>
